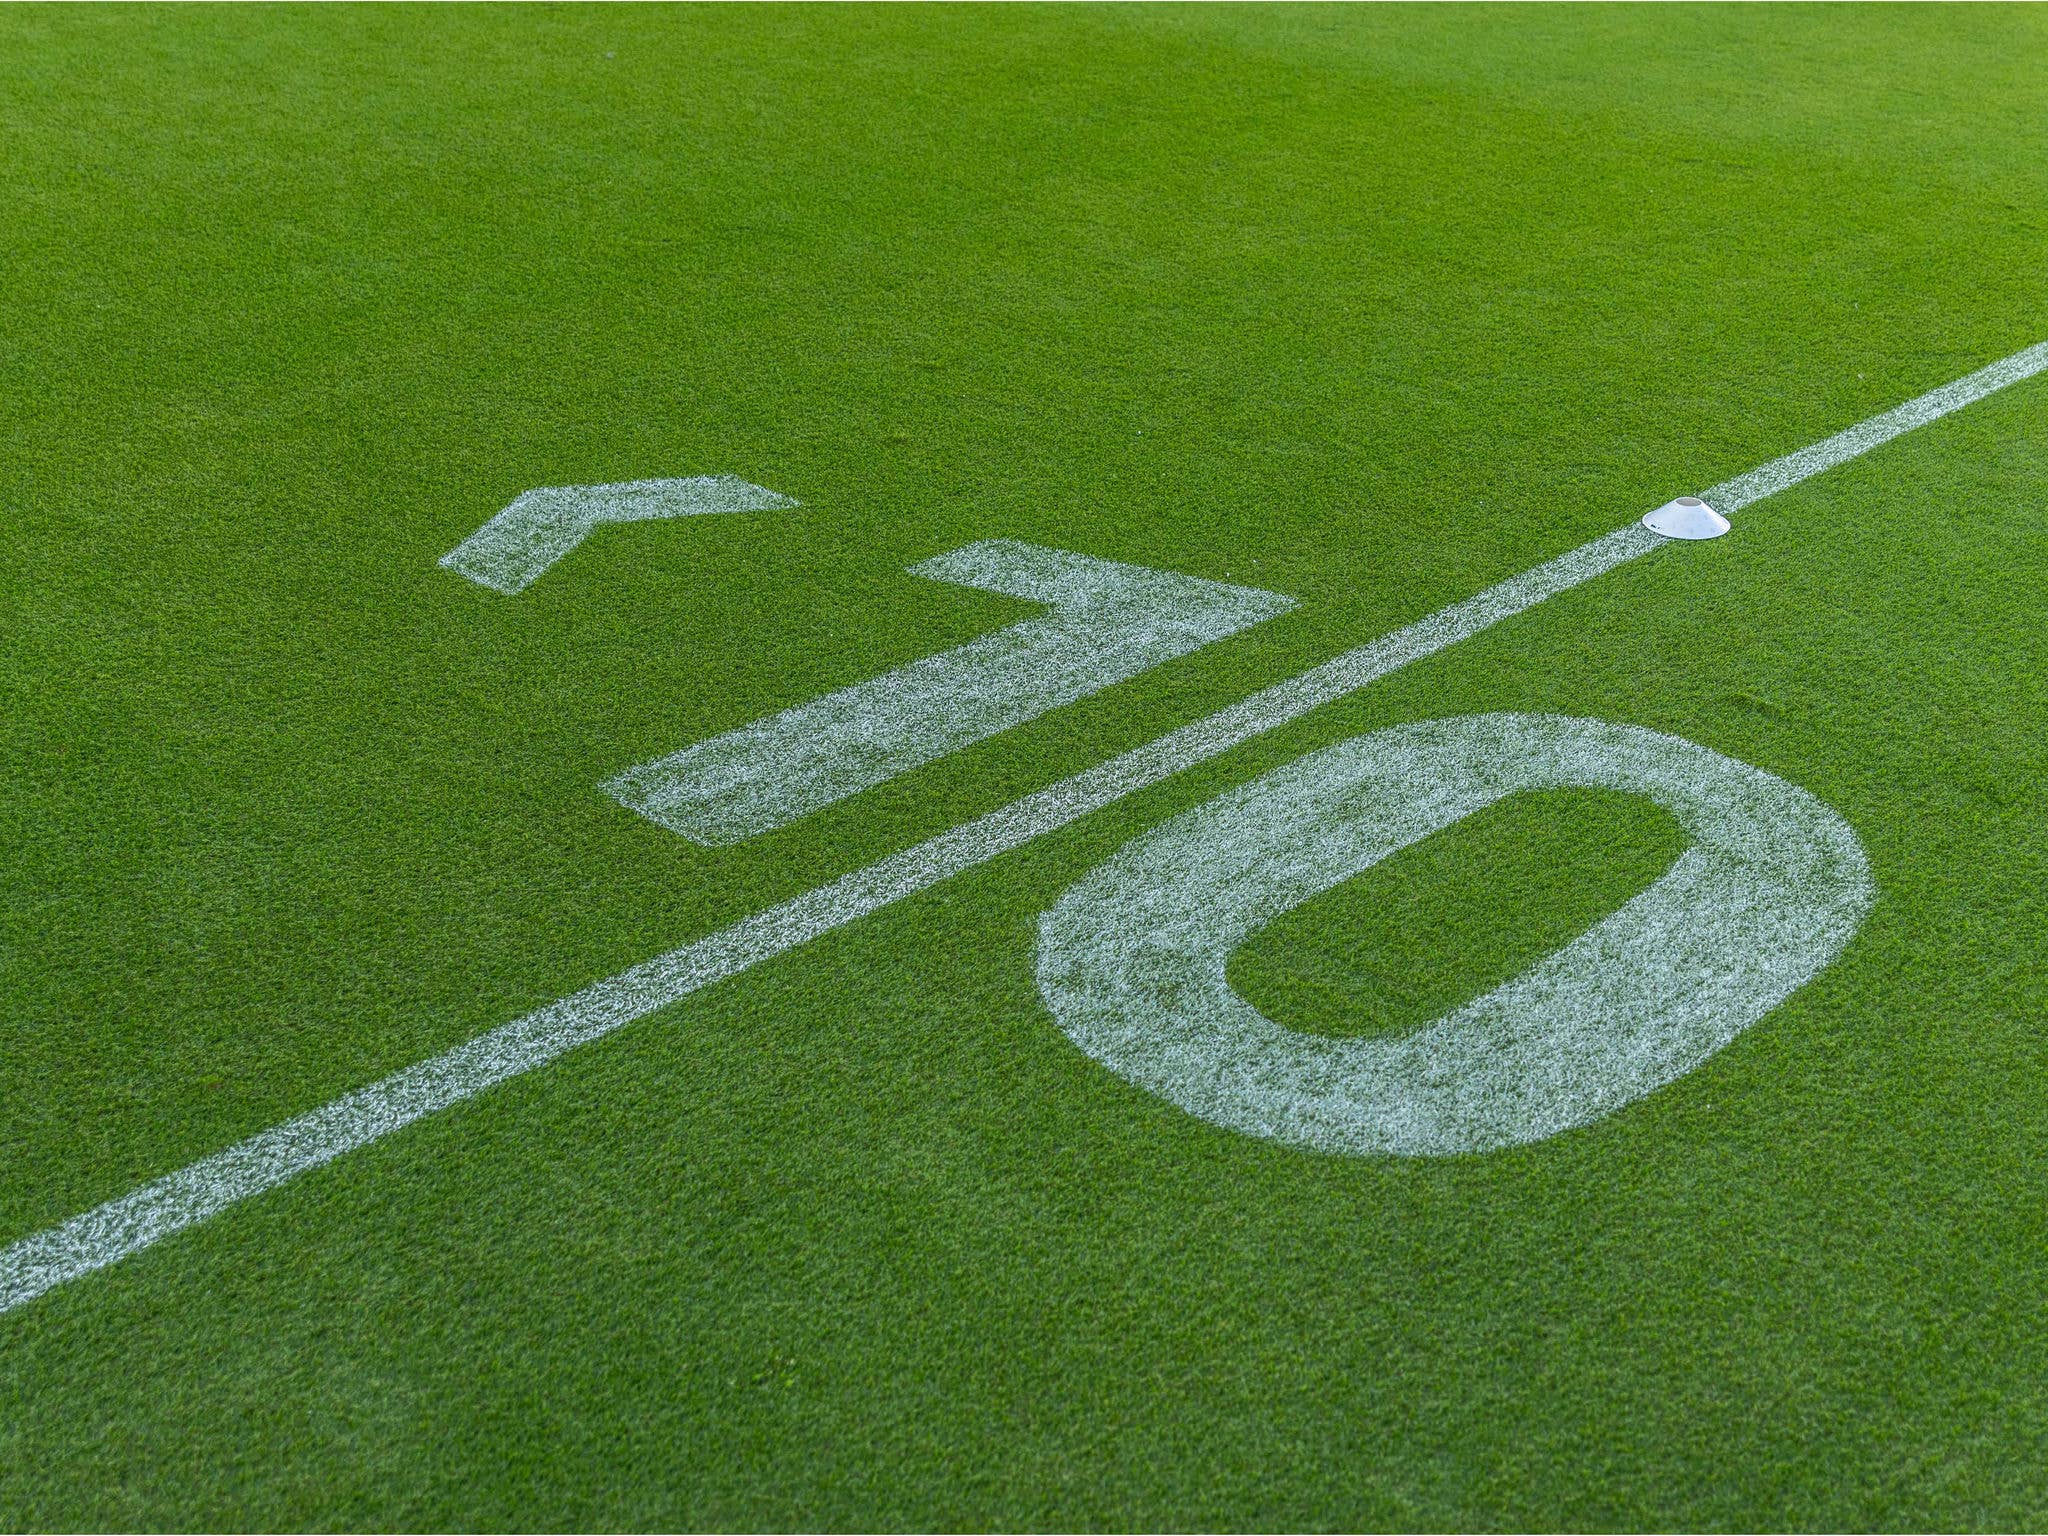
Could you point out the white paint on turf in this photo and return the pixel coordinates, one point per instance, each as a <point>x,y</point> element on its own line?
<point>509,553</point>
<point>1731,496</point>
<point>1131,960</point>
<point>130,1222</point>
<point>1108,622</point>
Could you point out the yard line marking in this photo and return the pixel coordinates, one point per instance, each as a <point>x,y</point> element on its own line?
<point>1730,496</point>
<point>130,1222</point>
<point>1108,622</point>
<point>511,551</point>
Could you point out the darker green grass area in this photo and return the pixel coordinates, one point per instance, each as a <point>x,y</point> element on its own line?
<point>1374,307</point>
<point>1455,915</point>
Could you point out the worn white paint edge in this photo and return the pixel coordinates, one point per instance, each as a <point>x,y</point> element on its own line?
<point>511,551</point>
<point>1108,622</point>
<point>122,1226</point>
<point>1132,958</point>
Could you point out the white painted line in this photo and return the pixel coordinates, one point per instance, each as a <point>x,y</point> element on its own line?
<point>509,553</point>
<point>1132,959</point>
<point>133,1221</point>
<point>1108,622</point>
<point>1731,496</point>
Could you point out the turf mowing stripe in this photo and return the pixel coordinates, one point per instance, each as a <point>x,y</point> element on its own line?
<point>109,1232</point>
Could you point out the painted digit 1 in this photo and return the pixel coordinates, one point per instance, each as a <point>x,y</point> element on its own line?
<point>1107,622</point>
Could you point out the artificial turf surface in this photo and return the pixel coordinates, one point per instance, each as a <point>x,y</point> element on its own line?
<point>1373,308</point>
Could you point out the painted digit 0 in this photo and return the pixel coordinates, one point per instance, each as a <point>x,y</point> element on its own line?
<point>1131,959</point>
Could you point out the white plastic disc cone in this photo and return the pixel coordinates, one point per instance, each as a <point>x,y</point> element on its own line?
<point>1686,518</point>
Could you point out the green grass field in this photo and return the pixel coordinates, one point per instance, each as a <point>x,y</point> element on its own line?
<point>1371,308</point>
